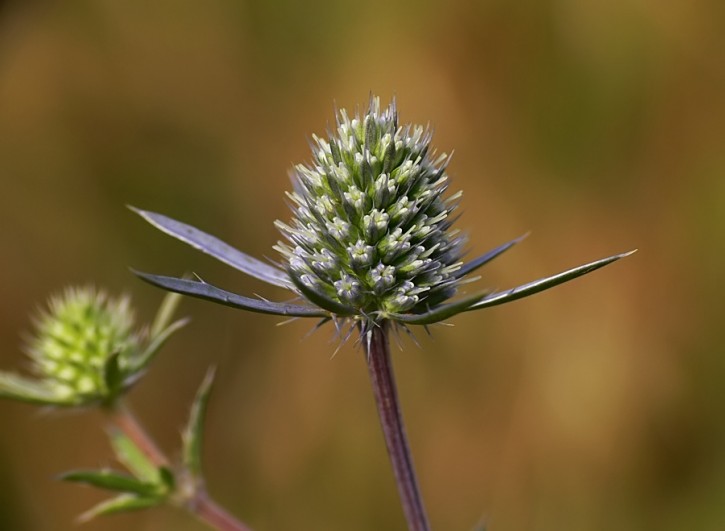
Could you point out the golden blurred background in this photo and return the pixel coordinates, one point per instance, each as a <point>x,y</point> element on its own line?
<point>599,126</point>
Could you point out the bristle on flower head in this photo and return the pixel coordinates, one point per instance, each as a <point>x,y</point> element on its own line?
<point>370,234</point>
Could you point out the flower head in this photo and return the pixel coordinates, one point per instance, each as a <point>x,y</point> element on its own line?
<point>371,235</point>
<point>84,350</point>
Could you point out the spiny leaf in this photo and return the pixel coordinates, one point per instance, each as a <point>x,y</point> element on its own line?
<point>441,313</point>
<point>157,341</point>
<point>120,504</point>
<point>474,264</point>
<point>192,436</point>
<point>165,314</point>
<point>204,290</point>
<point>111,480</point>
<point>213,246</point>
<point>545,283</point>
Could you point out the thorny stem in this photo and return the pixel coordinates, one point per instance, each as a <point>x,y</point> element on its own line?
<point>198,503</point>
<point>391,419</point>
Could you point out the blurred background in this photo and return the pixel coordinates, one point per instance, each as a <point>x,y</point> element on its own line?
<point>599,126</point>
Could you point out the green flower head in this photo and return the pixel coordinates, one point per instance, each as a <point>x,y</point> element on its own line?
<point>371,237</point>
<point>84,350</point>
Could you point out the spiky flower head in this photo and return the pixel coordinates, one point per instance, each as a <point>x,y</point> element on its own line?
<point>84,349</point>
<point>370,239</point>
<point>370,234</point>
<point>75,338</point>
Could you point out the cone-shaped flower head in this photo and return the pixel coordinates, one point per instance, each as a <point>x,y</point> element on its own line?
<point>371,228</point>
<point>370,238</point>
<point>85,350</point>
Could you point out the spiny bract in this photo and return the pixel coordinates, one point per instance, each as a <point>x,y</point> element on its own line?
<point>370,239</point>
<point>371,228</point>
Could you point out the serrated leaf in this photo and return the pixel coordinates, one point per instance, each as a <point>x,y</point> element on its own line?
<point>216,248</point>
<point>165,314</point>
<point>24,389</point>
<point>193,434</point>
<point>474,264</point>
<point>206,291</point>
<point>542,284</point>
<point>120,504</point>
<point>111,480</point>
<point>133,458</point>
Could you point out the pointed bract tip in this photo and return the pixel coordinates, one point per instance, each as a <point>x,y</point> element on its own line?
<point>619,256</point>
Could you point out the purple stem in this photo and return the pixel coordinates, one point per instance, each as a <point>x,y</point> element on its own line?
<point>386,399</point>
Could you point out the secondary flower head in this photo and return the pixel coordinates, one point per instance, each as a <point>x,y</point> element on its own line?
<point>84,350</point>
<point>75,338</point>
<point>370,238</point>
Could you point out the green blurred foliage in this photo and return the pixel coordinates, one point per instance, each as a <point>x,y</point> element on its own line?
<point>598,125</point>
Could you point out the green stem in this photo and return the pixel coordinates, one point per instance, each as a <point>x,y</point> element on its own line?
<point>198,503</point>
<point>391,420</point>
